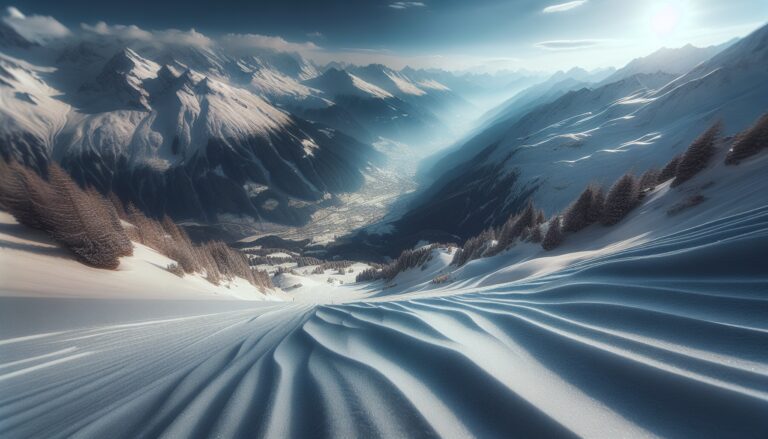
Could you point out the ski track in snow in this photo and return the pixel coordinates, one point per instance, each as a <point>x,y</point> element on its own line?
<point>668,338</point>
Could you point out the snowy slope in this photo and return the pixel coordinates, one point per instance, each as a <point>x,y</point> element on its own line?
<point>376,110</point>
<point>173,139</point>
<point>334,83</point>
<point>30,115</point>
<point>668,60</point>
<point>659,335</point>
<point>32,265</point>
<point>594,134</point>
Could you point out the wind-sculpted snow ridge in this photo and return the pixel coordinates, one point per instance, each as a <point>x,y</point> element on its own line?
<point>667,338</point>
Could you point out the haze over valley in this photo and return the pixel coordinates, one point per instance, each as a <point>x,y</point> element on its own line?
<point>384,219</point>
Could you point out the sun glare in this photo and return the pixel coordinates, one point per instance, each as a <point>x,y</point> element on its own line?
<point>666,18</point>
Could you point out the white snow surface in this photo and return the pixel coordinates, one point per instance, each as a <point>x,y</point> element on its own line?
<point>655,327</point>
<point>640,121</point>
<point>369,88</point>
<point>31,265</point>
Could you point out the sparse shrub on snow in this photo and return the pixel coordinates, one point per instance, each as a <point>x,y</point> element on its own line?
<point>697,156</point>
<point>175,269</point>
<point>441,279</point>
<point>689,202</point>
<point>749,142</point>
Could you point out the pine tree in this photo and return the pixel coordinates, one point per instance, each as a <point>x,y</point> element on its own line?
<point>697,156</point>
<point>104,219</point>
<point>749,142</point>
<point>514,226</point>
<point>621,199</point>
<point>536,235</point>
<point>649,179</point>
<point>149,231</point>
<point>80,223</point>
<point>180,247</point>
<point>554,236</point>
<point>580,213</point>
<point>597,205</point>
<point>118,205</point>
<point>669,170</point>
<point>26,196</point>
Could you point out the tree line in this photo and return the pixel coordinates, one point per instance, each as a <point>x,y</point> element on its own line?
<point>98,230</point>
<point>593,205</point>
<point>408,259</point>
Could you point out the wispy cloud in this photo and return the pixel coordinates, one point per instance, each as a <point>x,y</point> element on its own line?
<point>569,44</point>
<point>135,33</point>
<point>407,5</point>
<point>37,28</point>
<point>245,42</point>
<point>561,7</point>
<point>315,35</point>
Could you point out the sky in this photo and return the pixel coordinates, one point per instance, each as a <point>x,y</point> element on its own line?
<point>484,35</point>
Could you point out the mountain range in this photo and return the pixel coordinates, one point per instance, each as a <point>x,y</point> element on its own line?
<point>197,132</point>
<point>559,138</point>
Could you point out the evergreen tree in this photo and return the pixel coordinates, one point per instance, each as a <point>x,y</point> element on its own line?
<point>81,225</point>
<point>536,235</point>
<point>514,226</point>
<point>597,206</point>
<point>649,179</point>
<point>554,236</point>
<point>26,196</point>
<point>697,156</point>
<point>621,199</point>
<point>580,213</point>
<point>749,142</point>
<point>669,170</point>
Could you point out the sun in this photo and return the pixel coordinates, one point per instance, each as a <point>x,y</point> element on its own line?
<point>666,18</point>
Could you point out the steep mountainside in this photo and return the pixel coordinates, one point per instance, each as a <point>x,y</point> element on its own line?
<point>592,134</point>
<point>171,139</point>
<point>373,109</point>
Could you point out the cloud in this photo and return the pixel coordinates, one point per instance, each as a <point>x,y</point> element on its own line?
<point>561,7</point>
<point>37,28</point>
<point>315,35</point>
<point>135,33</point>
<point>242,44</point>
<point>245,42</point>
<point>14,13</point>
<point>569,44</point>
<point>406,5</point>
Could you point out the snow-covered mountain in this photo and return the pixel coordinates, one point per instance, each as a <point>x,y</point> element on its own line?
<point>591,134</point>
<point>373,108</point>
<point>170,138</point>
<point>675,61</point>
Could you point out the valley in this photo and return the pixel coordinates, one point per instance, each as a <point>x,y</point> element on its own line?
<point>215,233</point>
